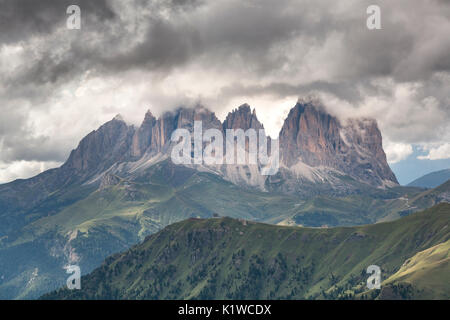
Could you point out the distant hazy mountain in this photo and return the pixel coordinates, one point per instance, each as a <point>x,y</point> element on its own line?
<point>237,259</point>
<point>431,180</point>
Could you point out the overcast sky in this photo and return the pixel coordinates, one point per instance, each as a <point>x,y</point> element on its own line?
<point>57,85</point>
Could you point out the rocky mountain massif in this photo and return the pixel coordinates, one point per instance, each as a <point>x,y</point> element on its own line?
<point>119,185</point>
<point>315,148</point>
<point>311,137</point>
<point>319,155</point>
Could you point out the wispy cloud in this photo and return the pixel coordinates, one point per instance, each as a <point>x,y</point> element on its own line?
<point>440,152</point>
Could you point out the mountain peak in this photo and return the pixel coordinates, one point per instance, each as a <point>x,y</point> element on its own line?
<point>149,119</point>
<point>245,107</point>
<point>149,114</point>
<point>118,117</point>
<point>142,137</point>
<point>101,148</point>
<point>242,118</point>
<point>312,136</point>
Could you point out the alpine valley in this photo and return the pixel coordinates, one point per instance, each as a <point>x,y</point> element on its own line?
<point>225,231</point>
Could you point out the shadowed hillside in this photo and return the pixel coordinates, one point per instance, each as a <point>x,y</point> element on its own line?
<point>236,259</point>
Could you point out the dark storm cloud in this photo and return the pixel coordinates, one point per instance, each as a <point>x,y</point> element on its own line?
<point>164,47</point>
<point>105,42</point>
<point>17,140</point>
<point>344,90</point>
<point>251,31</point>
<point>21,19</point>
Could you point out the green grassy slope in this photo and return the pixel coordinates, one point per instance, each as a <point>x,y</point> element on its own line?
<point>429,198</point>
<point>424,276</point>
<point>234,259</point>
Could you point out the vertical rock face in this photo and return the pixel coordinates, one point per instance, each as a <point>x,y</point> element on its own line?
<point>248,174</point>
<point>186,117</point>
<point>183,118</point>
<point>312,136</point>
<point>242,118</point>
<point>142,138</point>
<point>364,153</point>
<point>101,148</point>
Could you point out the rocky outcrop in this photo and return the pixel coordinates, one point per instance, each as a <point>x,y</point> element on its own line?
<point>310,135</point>
<point>109,180</point>
<point>101,148</point>
<point>143,136</point>
<point>180,118</point>
<point>313,137</point>
<point>242,118</point>
<point>364,157</point>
